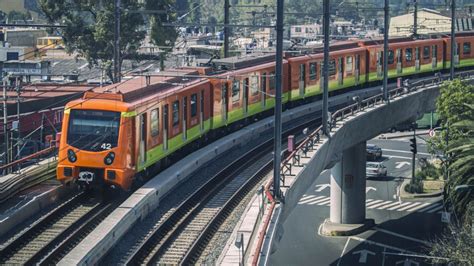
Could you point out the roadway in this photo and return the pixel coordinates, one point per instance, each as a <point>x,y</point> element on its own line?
<point>402,226</point>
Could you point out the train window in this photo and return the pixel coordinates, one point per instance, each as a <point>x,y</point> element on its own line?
<point>312,71</point>
<point>391,57</point>
<point>349,64</point>
<point>175,113</point>
<point>236,91</point>
<point>254,85</point>
<point>154,122</point>
<point>193,105</point>
<point>409,54</point>
<point>466,48</point>
<point>426,52</point>
<point>332,67</point>
<point>272,81</point>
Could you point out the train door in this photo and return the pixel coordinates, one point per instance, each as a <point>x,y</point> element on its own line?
<point>143,138</point>
<point>417,59</point>
<point>399,60</point>
<point>434,56</point>
<point>302,79</point>
<point>246,95</point>
<point>201,112</point>
<point>224,94</point>
<point>379,64</point>
<point>185,116</point>
<point>263,84</point>
<point>357,69</point>
<point>340,70</point>
<point>165,127</point>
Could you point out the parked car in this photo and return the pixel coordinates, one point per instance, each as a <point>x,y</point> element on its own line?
<point>376,169</point>
<point>405,126</point>
<point>374,152</point>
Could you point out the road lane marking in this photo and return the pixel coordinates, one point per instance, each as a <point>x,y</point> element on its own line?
<point>380,204</point>
<point>419,207</point>
<point>306,197</point>
<point>436,209</point>
<point>434,205</point>
<point>409,206</point>
<point>389,205</point>
<point>373,202</point>
<point>402,236</point>
<point>313,200</point>
<point>400,205</point>
<point>400,151</point>
<point>324,202</point>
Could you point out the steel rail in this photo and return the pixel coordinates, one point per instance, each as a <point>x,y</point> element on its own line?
<point>53,230</point>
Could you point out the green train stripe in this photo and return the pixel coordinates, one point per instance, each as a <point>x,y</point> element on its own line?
<point>157,153</point>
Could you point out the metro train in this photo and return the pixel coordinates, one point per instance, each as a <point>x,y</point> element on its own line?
<point>119,132</point>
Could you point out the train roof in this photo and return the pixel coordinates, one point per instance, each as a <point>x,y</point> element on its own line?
<point>239,62</point>
<point>143,86</point>
<point>36,97</point>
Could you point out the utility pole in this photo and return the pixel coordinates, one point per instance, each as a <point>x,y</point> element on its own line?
<point>385,50</point>
<point>117,43</point>
<point>18,139</point>
<point>278,96</point>
<point>415,19</point>
<point>226,28</point>
<point>414,151</point>
<point>326,17</point>
<point>453,41</point>
<point>5,123</point>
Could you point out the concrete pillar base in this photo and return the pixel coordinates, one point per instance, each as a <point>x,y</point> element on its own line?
<point>329,228</point>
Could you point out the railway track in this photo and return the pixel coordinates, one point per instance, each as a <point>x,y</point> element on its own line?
<point>53,235</point>
<point>183,233</point>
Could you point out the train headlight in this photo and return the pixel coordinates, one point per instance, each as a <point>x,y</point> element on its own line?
<point>109,159</point>
<point>71,156</point>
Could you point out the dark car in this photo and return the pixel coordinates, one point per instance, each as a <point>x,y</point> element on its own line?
<point>374,152</point>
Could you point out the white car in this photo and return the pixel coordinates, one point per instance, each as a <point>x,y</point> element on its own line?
<point>375,169</point>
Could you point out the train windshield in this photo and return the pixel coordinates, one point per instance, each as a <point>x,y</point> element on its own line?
<point>93,130</point>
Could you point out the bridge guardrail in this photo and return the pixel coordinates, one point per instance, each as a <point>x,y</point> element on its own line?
<point>313,140</point>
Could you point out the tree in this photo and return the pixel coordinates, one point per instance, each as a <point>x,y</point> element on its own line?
<point>462,161</point>
<point>454,247</point>
<point>455,110</point>
<point>89,28</point>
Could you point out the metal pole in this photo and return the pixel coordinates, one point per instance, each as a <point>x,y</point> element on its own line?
<point>226,29</point>
<point>453,32</point>
<point>413,159</point>
<point>117,42</point>
<point>326,65</point>
<point>415,19</point>
<point>5,124</point>
<point>278,100</point>
<point>385,50</point>
<point>18,141</point>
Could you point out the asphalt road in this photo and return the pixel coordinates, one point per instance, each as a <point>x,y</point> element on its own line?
<point>403,227</point>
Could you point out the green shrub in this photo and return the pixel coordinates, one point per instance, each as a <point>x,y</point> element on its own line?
<point>416,186</point>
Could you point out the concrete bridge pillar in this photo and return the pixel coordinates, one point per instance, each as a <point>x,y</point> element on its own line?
<point>347,215</point>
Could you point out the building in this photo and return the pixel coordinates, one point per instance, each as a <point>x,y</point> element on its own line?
<point>306,32</point>
<point>23,37</point>
<point>16,53</point>
<point>429,22</point>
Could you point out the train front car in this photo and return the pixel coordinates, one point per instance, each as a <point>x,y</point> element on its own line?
<point>96,142</point>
